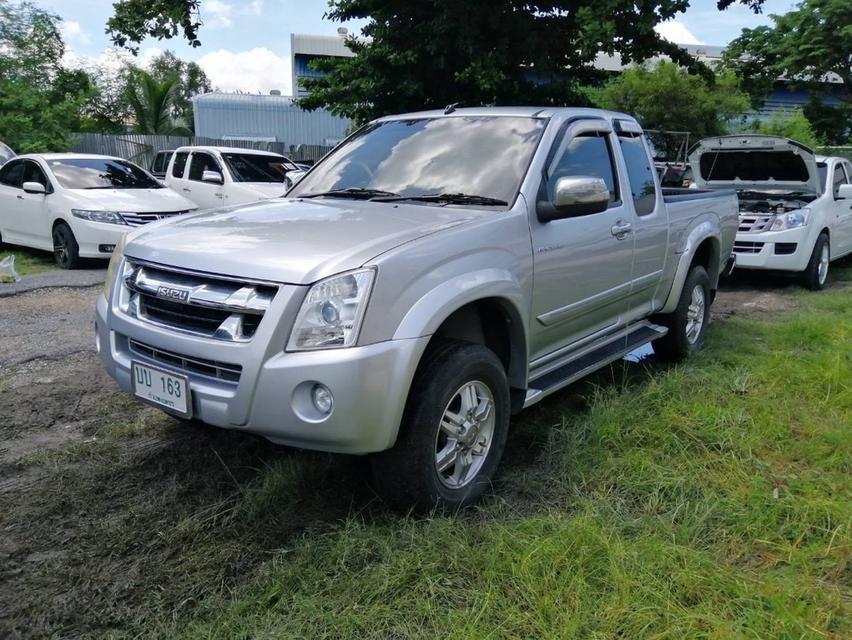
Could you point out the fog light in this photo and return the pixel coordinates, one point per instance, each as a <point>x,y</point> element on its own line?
<point>322,398</point>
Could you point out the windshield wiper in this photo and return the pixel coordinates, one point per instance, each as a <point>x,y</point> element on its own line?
<point>449,198</point>
<point>351,192</point>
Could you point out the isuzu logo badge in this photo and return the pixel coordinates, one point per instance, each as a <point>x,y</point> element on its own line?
<point>172,293</point>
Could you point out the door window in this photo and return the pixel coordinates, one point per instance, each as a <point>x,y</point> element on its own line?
<point>584,155</point>
<point>640,173</point>
<point>33,173</point>
<point>200,163</point>
<point>179,164</point>
<point>839,179</point>
<point>12,173</point>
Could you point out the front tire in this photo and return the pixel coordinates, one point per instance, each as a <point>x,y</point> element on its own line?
<point>687,324</point>
<point>452,434</point>
<point>815,275</point>
<point>66,251</point>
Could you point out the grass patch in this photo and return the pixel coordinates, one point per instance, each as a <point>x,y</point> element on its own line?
<point>708,500</point>
<point>29,261</point>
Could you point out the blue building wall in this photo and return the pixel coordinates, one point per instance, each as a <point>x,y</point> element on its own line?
<point>265,117</point>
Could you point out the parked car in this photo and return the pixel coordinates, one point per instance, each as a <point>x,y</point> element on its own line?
<point>435,273</point>
<point>79,206</point>
<point>795,207</point>
<point>219,176</point>
<point>160,163</point>
<point>6,153</point>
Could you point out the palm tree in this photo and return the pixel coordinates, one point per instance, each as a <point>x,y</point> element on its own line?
<point>152,102</point>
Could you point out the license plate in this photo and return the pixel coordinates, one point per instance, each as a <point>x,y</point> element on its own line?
<point>161,388</point>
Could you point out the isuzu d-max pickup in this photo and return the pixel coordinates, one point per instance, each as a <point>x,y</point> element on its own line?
<point>434,274</point>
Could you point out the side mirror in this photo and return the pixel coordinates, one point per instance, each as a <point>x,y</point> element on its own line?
<point>845,192</point>
<point>212,176</point>
<point>34,187</point>
<point>575,196</point>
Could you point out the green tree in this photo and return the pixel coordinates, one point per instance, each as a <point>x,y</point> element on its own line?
<point>432,53</point>
<point>40,100</point>
<point>788,125</point>
<point>805,46</point>
<point>667,97</point>
<point>192,81</point>
<point>152,102</point>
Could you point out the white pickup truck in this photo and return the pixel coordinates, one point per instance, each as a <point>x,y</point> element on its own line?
<point>220,176</point>
<point>795,207</point>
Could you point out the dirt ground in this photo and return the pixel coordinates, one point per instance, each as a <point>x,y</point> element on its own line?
<point>99,493</point>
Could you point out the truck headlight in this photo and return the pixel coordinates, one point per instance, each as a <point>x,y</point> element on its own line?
<point>332,312</point>
<point>791,220</point>
<point>114,266</point>
<point>109,217</point>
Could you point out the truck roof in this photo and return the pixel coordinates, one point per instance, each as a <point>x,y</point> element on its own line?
<point>524,112</point>
<point>210,148</point>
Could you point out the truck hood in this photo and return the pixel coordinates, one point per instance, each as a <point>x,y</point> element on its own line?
<point>754,163</point>
<point>290,240</point>
<point>134,200</point>
<point>263,190</point>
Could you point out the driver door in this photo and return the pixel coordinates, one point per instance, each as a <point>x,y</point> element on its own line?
<point>207,195</point>
<point>582,264</point>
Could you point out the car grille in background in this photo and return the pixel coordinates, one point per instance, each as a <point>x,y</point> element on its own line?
<point>138,219</point>
<point>200,366</point>
<point>748,247</point>
<point>204,305</point>
<point>750,223</point>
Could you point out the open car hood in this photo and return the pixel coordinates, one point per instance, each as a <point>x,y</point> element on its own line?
<point>754,163</point>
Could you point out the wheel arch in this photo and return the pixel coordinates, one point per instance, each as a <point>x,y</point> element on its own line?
<point>702,246</point>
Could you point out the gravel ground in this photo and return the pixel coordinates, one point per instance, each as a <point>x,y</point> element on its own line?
<point>73,278</point>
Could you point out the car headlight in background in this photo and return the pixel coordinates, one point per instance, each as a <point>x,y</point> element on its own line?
<point>791,220</point>
<point>109,217</point>
<point>332,312</point>
<point>114,265</point>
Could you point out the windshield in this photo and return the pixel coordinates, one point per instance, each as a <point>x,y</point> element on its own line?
<point>478,155</point>
<point>100,173</point>
<point>253,167</point>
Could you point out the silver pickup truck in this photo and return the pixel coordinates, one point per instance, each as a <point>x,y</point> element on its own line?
<point>434,274</point>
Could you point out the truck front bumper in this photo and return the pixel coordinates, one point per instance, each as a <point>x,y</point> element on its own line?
<point>788,250</point>
<point>272,398</point>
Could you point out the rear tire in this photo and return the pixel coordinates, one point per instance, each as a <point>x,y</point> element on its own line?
<point>66,251</point>
<point>815,275</point>
<point>687,324</point>
<point>452,434</point>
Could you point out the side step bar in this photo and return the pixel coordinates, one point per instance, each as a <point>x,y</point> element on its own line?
<point>592,359</point>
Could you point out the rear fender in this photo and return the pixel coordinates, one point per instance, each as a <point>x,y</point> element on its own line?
<point>707,227</point>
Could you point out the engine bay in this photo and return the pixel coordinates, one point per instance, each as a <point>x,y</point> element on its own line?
<point>751,202</point>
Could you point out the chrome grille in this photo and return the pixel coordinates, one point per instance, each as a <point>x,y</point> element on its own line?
<point>209,306</point>
<point>755,223</point>
<point>200,366</point>
<point>748,247</point>
<point>137,219</point>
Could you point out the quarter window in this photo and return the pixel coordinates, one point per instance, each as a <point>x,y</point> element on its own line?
<point>179,164</point>
<point>12,173</point>
<point>584,155</point>
<point>640,174</point>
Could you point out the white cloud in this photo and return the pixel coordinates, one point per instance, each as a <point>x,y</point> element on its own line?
<point>73,32</point>
<point>220,14</point>
<point>254,8</point>
<point>257,70</point>
<point>675,31</point>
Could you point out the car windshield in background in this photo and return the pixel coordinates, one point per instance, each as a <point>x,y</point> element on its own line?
<point>253,167</point>
<point>98,173</point>
<point>481,157</point>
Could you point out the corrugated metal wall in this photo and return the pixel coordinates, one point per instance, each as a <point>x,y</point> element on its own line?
<point>141,148</point>
<point>228,116</point>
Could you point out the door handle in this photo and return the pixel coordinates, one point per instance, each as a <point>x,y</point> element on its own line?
<point>621,229</point>
<point>20,197</point>
<point>187,189</point>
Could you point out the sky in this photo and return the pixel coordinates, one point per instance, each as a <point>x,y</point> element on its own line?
<point>245,44</point>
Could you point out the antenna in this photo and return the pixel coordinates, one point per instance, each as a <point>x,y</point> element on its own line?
<point>450,108</point>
